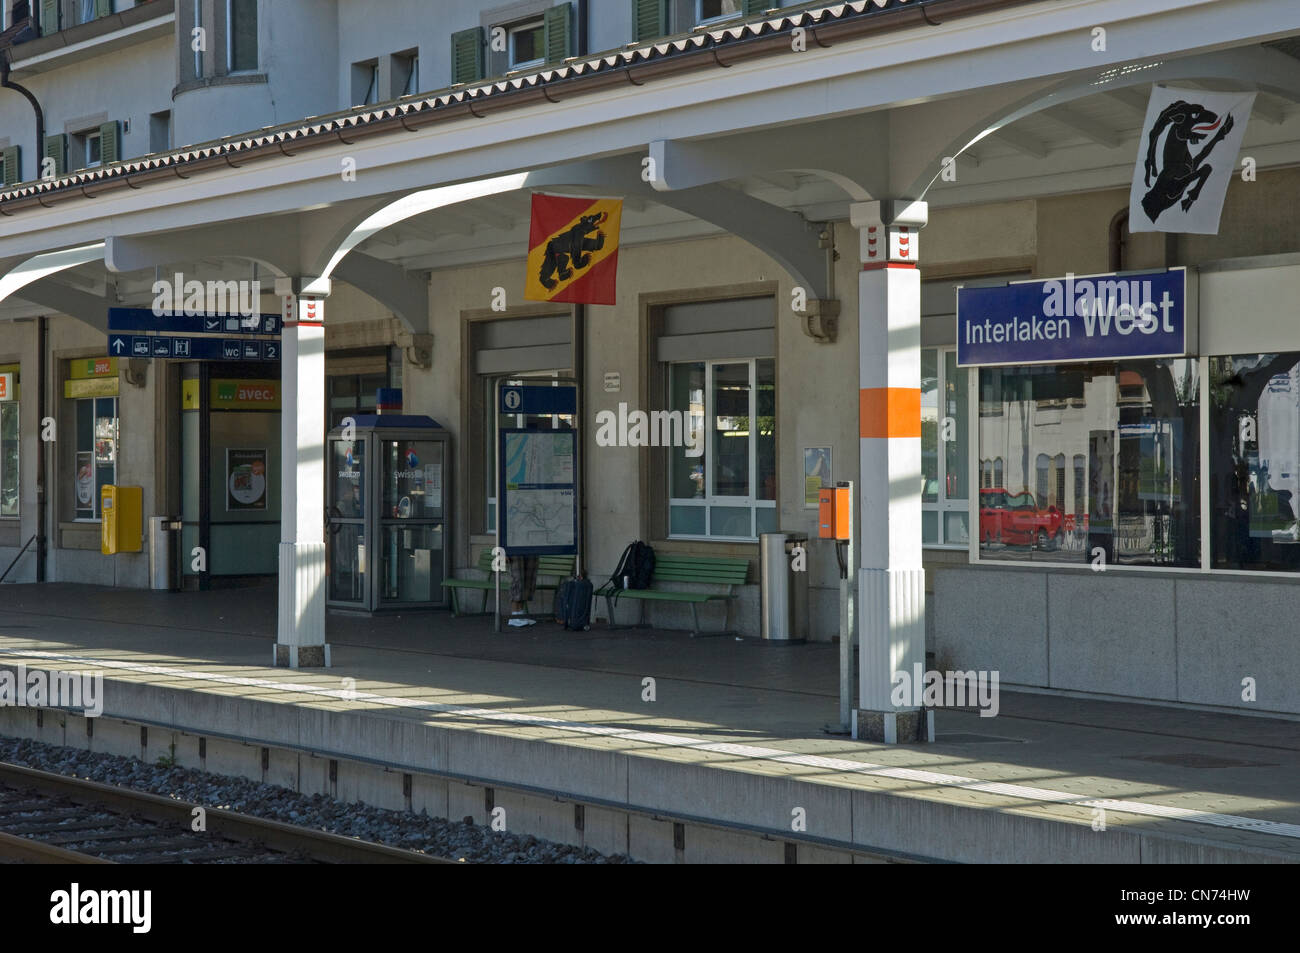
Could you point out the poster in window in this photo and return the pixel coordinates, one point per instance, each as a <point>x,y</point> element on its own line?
<point>245,480</point>
<point>85,482</point>
<point>816,473</point>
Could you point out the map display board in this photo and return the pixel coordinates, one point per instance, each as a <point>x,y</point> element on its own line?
<point>538,502</point>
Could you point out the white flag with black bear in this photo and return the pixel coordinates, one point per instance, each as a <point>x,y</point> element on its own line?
<point>1186,157</point>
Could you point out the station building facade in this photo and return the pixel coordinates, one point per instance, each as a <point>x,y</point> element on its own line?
<point>1192,459</point>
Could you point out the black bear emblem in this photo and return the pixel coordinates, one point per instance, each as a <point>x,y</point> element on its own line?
<point>1188,124</point>
<point>572,249</point>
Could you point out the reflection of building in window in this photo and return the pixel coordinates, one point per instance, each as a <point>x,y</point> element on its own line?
<point>1255,462</point>
<point>1129,433</point>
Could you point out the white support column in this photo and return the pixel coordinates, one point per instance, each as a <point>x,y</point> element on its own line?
<point>891,581</point>
<point>300,638</point>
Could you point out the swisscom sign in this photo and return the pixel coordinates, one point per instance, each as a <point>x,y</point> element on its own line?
<point>1101,317</point>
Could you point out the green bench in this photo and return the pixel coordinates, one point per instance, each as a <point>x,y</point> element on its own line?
<point>699,570</point>
<point>559,567</point>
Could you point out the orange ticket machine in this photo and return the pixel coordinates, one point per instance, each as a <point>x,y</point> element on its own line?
<point>834,513</point>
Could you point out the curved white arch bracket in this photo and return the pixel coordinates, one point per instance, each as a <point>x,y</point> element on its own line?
<point>417,203</point>
<point>1260,67</point>
<point>51,263</point>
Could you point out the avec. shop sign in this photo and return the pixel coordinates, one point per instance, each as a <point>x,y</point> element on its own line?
<point>1092,318</point>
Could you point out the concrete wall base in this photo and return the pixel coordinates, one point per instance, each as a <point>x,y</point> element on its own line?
<point>301,656</point>
<point>894,727</point>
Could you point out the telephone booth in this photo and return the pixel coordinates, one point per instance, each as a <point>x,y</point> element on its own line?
<point>388,496</point>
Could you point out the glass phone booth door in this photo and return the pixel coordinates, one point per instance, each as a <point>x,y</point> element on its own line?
<point>411,517</point>
<point>387,514</point>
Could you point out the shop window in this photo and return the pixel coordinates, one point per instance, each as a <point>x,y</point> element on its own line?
<point>96,452</point>
<point>944,425</point>
<point>722,472</point>
<point>1254,433</point>
<point>9,448</point>
<point>1131,431</point>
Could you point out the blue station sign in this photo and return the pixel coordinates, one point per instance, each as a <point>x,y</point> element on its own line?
<point>192,348</point>
<point>1099,317</point>
<point>533,399</point>
<point>141,320</point>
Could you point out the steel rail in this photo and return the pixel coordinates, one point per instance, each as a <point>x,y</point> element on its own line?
<point>275,835</point>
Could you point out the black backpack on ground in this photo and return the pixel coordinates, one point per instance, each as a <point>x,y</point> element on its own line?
<point>573,604</point>
<point>635,567</point>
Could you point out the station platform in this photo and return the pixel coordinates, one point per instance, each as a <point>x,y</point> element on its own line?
<point>733,736</point>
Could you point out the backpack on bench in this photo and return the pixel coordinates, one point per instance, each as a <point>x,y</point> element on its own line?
<point>635,567</point>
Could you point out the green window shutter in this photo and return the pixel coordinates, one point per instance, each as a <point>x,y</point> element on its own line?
<point>467,55</point>
<point>649,19</point>
<point>12,161</point>
<point>755,8</point>
<point>110,142</point>
<point>103,7</point>
<point>56,148</point>
<point>49,17</point>
<point>559,33</point>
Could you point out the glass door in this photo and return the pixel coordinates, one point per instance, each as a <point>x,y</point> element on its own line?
<point>347,528</point>
<point>411,521</point>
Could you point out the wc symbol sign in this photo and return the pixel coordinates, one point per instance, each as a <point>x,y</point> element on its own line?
<point>511,399</point>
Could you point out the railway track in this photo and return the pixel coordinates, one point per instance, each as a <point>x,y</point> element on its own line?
<point>50,818</point>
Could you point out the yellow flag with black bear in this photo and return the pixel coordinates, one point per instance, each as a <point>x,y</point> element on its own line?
<point>573,249</point>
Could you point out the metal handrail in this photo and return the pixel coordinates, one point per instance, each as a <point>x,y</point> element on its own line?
<point>18,557</point>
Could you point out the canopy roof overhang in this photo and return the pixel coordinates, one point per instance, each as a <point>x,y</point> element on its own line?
<point>758,144</point>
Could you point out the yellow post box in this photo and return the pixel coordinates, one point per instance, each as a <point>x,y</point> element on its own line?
<point>122,512</point>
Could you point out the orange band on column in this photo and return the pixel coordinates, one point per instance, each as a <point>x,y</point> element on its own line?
<point>889,412</point>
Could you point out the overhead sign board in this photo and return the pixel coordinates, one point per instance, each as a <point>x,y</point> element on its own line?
<point>142,320</point>
<point>1070,319</point>
<point>193,348</point>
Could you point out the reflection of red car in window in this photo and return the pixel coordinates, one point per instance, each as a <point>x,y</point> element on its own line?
<point>1015,518</point>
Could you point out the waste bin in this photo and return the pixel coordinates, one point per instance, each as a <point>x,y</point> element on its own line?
<point>784,592</point>
<point>162,552</point>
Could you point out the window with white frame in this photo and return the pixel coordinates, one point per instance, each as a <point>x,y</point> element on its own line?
<point>945,494</point>
<point>722,471</point>
<point>709,10</point>
<point>527,43</point>
<point>91,147</point>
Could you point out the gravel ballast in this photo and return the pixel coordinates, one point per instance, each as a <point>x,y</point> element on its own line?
<point>419,832</point>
